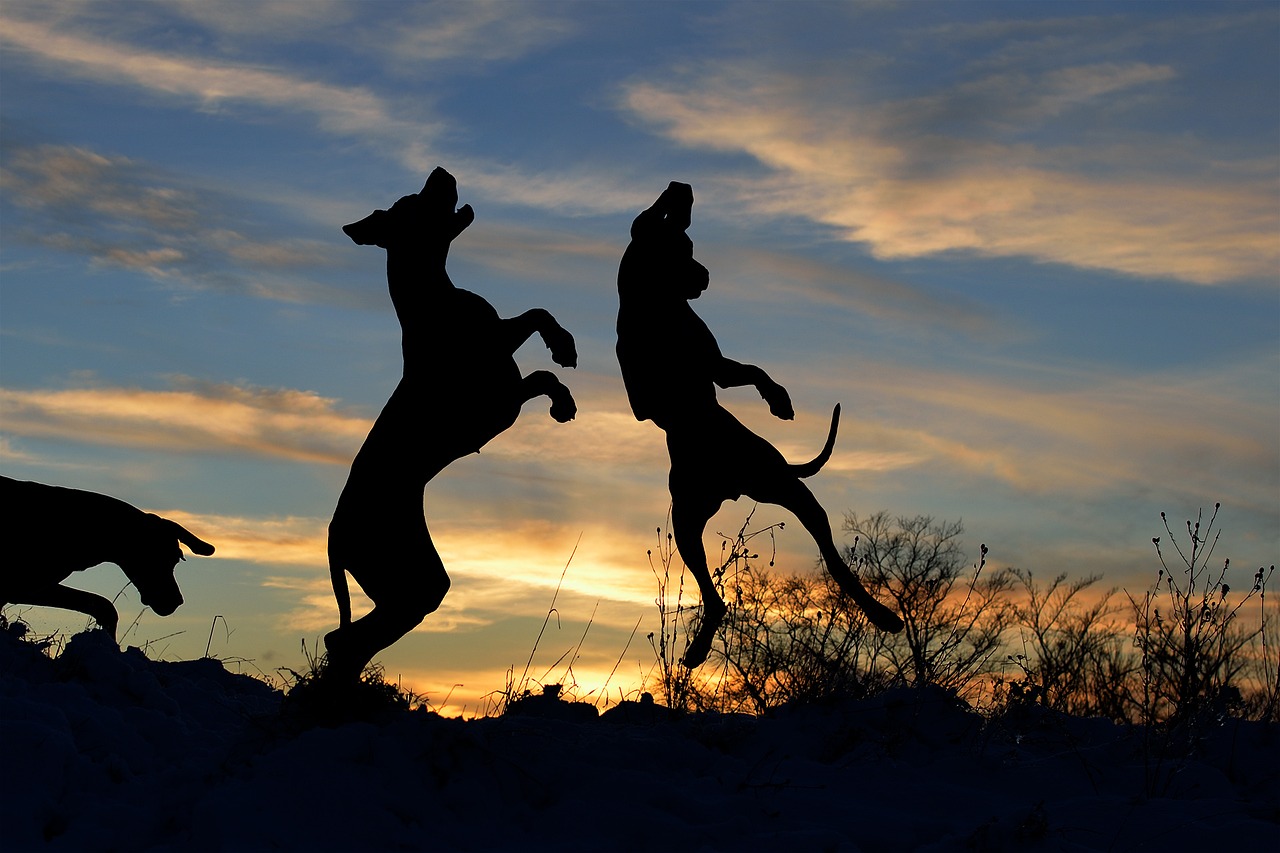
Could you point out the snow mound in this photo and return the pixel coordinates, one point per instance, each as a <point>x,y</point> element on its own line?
<point>105,749</point>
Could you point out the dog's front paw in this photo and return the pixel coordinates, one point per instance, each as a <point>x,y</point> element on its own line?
<point>563,350</point>
<point>779,401</point>
<point>563,408</point>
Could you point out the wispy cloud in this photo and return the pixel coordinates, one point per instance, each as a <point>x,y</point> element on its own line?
<point>487,30</point>
<point>936,173</point>
<point>487,584</point>
<point>409,37</point>
<point>1089,435</point>
<point>121,213</point>
<point>297,425</point>
<point>353,111</point>
<point>282,21</point>
<point>757,274</point>
<point>280,542</point>
<point>405,133</point>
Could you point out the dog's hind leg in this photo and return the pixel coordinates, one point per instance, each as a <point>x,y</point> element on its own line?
<point>689,516</point>
<point>405,582</point>
<point>795,496</point>
<point>352,647</point>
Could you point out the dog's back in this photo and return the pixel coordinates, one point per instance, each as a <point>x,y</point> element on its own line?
<point>53,531</point>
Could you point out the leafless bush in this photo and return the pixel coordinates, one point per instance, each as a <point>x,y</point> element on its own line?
<point>1193,648</point>
<point>1264,702</point>
<point>784,638</point>
<point>1074,655</point>
<point>675,682</point>
<point>796,638</point>
<point>955,617</point>
<point>791,638</point>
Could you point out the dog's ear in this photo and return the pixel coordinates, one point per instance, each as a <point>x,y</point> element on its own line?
<point>368,231</point>
<point>186,537</point>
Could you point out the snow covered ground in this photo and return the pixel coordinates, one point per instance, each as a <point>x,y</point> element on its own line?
<point>107,750</point>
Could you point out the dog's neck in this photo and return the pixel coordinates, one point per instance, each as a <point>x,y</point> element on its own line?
<point>420,270</point>
<point>418,265</point>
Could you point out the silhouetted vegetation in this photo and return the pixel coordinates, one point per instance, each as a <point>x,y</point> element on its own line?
<point>955,615</point>
<point>1178,656</point>
<point>1071,652</point>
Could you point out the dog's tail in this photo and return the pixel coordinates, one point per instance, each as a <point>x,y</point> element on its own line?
<point>342,592</point>
<point>808,469</point>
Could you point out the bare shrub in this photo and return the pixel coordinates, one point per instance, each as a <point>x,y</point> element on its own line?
<point>1075,656</point>
<point>1264,701</point>
<point>1193,648</point>
<point>675,682</point>
<point>792,638</point>
<point>955,616</point>
<point>784,638</point>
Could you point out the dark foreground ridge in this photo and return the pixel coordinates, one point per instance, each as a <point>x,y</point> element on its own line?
<point>107,749</point>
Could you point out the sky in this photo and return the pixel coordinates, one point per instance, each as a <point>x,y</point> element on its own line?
<point>1031,249</point>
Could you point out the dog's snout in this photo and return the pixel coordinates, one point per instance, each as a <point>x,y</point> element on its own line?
<point>164,605</point>
<point>167,608</point>
<point>697,280</point>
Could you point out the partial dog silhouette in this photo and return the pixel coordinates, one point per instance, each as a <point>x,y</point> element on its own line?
<point>460,388</point>
<point>52,532</point>
<point>671,365</point>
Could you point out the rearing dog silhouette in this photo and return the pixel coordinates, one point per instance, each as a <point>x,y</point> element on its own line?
<point>671,364</point>
<point>461,387</point>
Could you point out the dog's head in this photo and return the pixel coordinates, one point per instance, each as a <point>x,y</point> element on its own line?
<point>424,220</point>
<point>149,559</point>
<point>664,252</point>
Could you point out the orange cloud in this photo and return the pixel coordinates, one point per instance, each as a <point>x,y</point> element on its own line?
<point>297,425</point>
<point>878,174</point>
<point>1074,434</point>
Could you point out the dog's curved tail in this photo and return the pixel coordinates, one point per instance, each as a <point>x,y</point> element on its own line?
<point>808,469</point>
<point>342,592</point>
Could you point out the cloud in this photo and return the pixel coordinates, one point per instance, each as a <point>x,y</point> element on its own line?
<point>14,455</point>
<point>78,182</point>
<point>296,425</point>
<point>552,254</point>
<point>287,541</point>
<point>1078,436</point>
<point>351,111</point>
<point>485,30</point>
<point>785,278</point>
<point>1038,42</point>
<point>406,37</point>
<point>489,583</point>
<point>430,33</point>
<point>422,34</point>
<point>122,214</point>
<point>279,21</point>
<point>1016,100</point>
<point>955,170</point>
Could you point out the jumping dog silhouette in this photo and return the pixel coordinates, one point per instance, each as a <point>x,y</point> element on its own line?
<point>460,388</point>
<point>671,364</point>
<point>52,532</point>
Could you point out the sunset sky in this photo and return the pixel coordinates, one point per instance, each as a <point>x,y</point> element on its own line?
<point>1031,248</point>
